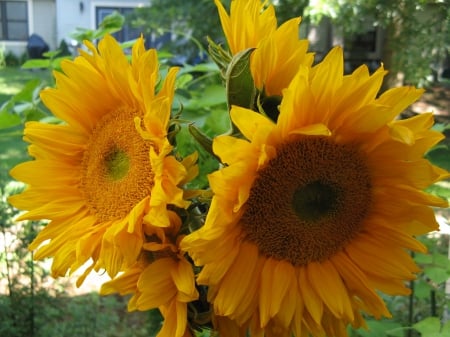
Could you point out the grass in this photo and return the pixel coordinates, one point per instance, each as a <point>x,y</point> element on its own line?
<point>13,79</point>
<point>88,315</point>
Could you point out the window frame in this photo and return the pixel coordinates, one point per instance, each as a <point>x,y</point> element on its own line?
<point>5,34</point>
<point>126,33</point>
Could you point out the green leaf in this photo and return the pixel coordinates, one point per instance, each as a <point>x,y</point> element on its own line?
<point>429,327</point>
<point>441,127</point>
<point>220,56</point>
<point>439,156</point>
<point>183,80</point>
<point>128,44</point>
<point>422,290</point>
<point>201,138</point>
<point>186,144</point>
<point>212,95</point>
<point>8,120</point>
<point>423,258</point>
<point>436,274</point>
<point>204,68</point>
<point>51,120</point>
<point>81,34</point>
<point>217,122</point>
<point>440,189</point>
<point>111,23</point>
<point>51,54</point>
<point>441,260</point>
<point>29,92</point>
<point>239,81</point>
<point>22,108</point>
<point>35,114</point>
<point>208,67</point>
<point>56,62</point>
<point>115,20</point>
<point>379,328</point>
<point>36,64</point>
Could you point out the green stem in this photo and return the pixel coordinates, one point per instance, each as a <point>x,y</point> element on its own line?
<point>32,285</point>
<point>411,306</point>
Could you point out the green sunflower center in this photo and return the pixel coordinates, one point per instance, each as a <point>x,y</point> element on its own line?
<point>117,164</point>
<point>116,171</point>
<point>309,201</point>
<point>314,201</point>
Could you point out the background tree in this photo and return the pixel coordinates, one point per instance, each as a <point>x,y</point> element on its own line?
<point>184,26</point>
<point>416,32</point>
<point>287,9</point>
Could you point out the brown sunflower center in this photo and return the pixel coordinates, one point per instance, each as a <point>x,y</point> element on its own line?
<point>309,201</point>
<point>116,170</point>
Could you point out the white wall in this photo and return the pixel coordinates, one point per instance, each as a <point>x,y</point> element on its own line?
<point>70,16</point>
<point>43,21</point>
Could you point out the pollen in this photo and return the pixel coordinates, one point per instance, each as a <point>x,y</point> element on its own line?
<point>309,201</point>
<point>116,169</point>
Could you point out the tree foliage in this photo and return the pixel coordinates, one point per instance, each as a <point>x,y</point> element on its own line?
<point>182,28</point>
<point>416,32</point>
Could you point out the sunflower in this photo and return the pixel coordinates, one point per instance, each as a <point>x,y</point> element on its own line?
<point>278,50</point>
<point>248,23</point>
<point>161,278</point>
<point>107,171</point>
<point>312,215</point>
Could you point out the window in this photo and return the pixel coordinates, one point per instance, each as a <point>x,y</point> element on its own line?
<point>13,20</point>
<point>127,33</point>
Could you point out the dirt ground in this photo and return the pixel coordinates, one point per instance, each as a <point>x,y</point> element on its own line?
<point>436,99</point>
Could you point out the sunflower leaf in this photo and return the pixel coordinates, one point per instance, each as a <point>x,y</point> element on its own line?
<point>240,86</point>
<point>201,138</point>
<point>436,274</point>
<point>219,55</point>
<point>8,120</point>
<point>429,327</point>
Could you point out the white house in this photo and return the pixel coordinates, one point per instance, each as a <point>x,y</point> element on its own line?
<point>54,20</point>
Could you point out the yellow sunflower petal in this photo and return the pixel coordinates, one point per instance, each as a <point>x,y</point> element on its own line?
<point>330,193</point>
<point>358,283</point>
<point>276,279</point>
<point>330,289</point>
<point>249,122</point>
<point>309,296</point>
<point>277,58</point>
<point>109,167</point>
<point>156,284</point>
<point>224,303</point>
<point>124,284</point>
<point>247,23</point>
<point>183,277</point>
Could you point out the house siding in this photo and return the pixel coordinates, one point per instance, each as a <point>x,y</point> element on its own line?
<point>55,20</point>
<point>71,15</point>
<point>44,21</point>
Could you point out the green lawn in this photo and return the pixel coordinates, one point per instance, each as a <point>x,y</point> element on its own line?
<point>13,79</point>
